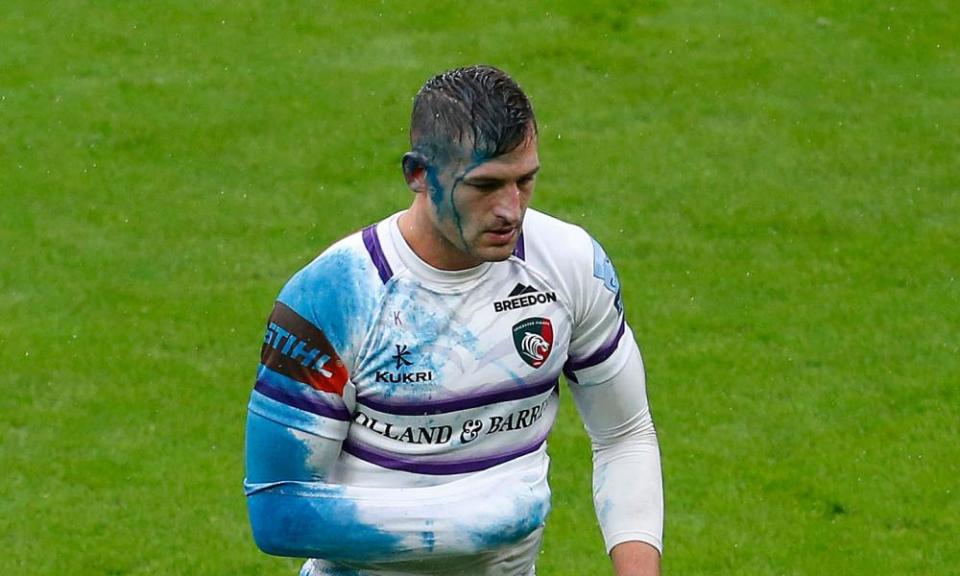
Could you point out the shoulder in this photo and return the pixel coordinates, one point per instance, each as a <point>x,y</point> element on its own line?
<point>562,249</point>
<point>573,260</point>
<point>550,240</point>
<point>337,289</point>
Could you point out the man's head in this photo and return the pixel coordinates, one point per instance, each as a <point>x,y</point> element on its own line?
<point>478,109</point>
<point>473,136</point>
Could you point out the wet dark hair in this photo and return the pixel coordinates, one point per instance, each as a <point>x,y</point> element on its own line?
<point>478,107</point>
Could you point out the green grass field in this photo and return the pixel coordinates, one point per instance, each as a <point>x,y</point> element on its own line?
<point>778,183</point>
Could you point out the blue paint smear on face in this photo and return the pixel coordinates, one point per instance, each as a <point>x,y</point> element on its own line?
<point>477,160</point>
<point>319,523</point>
<point>436,190</point>
<point>444,202</point>
<point>335,292</point>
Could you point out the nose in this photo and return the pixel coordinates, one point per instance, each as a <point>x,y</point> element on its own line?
<point>510,203</point>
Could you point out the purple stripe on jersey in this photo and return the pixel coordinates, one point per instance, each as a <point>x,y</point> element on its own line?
<point>305,403</point>
<point>518,250</point>
<point>419,466</point>
<point>597,357</point>
<point>423,408</point>
<point>372,242</point>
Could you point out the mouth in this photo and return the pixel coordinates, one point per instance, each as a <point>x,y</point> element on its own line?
<point>500,236</point>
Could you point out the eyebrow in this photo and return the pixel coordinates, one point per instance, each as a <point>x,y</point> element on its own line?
<point>481,180</point>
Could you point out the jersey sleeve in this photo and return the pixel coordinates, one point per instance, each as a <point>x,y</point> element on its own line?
<point>301,378</point>
<point>607,382</point>
<point>303,394</point>
<point>627,478</point>
<point>600,326</point>
<point>300,406</point>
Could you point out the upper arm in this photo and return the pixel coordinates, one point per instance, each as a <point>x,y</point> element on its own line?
<point>596,350</point>
<point>301,405</point>
<point>298,412</point>
<point>297,419</point>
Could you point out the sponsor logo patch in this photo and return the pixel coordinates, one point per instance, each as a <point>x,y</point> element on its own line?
<point>296,348</point>
<point>522,296</point>
<point>533,339</point>
<point>401,362</point>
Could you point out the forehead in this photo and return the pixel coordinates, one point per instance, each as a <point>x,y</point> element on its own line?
<point>519,161</point>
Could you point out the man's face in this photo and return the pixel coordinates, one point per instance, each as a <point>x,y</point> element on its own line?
<point>477,207</point>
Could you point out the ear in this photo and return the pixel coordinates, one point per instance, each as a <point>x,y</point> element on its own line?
<point>415,171</point>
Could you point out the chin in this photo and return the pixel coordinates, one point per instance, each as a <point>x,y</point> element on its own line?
<point>497,253</point>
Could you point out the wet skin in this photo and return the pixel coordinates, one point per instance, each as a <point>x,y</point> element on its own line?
<point>468,211</point>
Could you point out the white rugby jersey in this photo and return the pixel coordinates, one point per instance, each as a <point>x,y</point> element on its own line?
<point>400,416</point>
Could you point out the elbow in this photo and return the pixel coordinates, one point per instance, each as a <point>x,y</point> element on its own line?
<point>267,534</point>
<point>265,539</point>
<point>317,526</point>
<point>273,532</point>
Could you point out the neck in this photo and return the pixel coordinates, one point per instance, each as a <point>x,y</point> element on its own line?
<point>427,242</point>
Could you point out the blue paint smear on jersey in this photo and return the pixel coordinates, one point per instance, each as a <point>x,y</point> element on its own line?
<point>603,511</point>
<point>513,529</point>
<point>317,522</point>
<point>335,293</point>
<point>284,382</point>
<point>289,416</point>
<point>429,540</point>
<point>274,452</point>
<point>330,571</point>
<point>604,270</point>
<point>432,336</point>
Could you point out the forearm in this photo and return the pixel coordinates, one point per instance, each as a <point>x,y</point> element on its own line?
<point>358,525</point>
<point>627,486</point>
<point>635,559</point>
<point>318,520</point>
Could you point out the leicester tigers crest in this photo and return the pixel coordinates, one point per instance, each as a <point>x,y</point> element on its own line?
<point>533,339</point>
